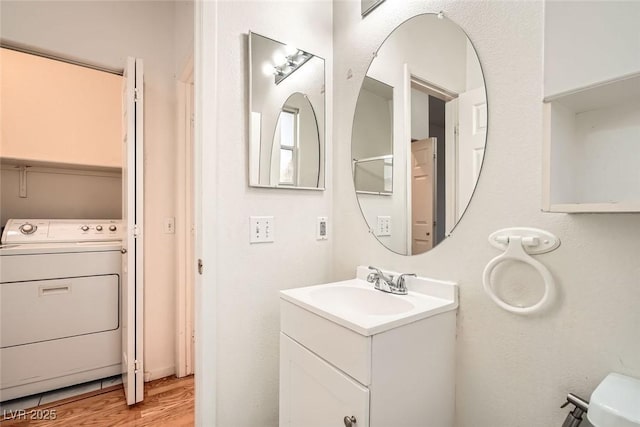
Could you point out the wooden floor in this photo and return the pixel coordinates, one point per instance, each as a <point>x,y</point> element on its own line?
<point>167,402</point>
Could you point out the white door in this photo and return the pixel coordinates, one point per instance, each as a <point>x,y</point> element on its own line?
<point>132,215</point>
<point>423,181</point>
<point>315,394</point>
<point>472,112</point>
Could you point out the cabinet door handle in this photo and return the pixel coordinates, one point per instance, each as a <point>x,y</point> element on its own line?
<point>349,421</point>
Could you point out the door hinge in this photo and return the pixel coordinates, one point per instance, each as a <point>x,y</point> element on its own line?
<point>200,266</point>
<point>136,95</point>
<point>136,231</point>
<point>136,366</point>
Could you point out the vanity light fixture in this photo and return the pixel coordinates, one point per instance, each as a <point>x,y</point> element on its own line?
<point>294,60</point>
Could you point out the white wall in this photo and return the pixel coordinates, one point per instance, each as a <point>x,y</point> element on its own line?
<point>419,114</point>
<point>250,276</point>
<point>372,134</point>
<point>609,43</point>
<point>183,34</point>
<point>105,33</point>
<point>60,193</point>
<point>504,361</point>
<point>54,111</point>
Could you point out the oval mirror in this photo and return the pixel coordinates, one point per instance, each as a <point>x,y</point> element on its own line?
<point>295,155</point>
<point>419,133</point>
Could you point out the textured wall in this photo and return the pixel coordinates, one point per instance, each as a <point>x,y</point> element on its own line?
<point>250,276</point>
<point>511,370</point>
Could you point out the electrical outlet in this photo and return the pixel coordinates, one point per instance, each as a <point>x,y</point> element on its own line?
<point>322,228</point>
<point>262,229</point>
<point>384,226</point>
<point>169,225</point>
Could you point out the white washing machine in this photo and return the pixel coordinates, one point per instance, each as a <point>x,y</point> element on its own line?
<point>59,304</point>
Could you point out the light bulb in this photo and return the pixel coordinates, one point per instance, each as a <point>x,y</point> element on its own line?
<point>279,58</point>
<point>267,69</point>
<point>290,49</point>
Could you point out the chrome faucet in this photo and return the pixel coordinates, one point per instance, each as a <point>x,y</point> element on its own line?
<point>379,280</point>
<point>400,283</point>
<point>385,283</point>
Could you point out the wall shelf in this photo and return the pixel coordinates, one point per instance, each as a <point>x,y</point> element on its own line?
<point>591,153</point>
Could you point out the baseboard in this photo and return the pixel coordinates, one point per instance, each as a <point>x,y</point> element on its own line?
<point>159,373</point>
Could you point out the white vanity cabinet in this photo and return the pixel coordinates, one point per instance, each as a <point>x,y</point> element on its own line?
<point>401,377</point>
<point>315,393</point>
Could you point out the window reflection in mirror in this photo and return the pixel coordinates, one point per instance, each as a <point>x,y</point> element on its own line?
<point>434,131</point>
<point>296,151</point>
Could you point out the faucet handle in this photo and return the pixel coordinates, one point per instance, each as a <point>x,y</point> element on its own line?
<point>380,275</point>
<point>401,279</point>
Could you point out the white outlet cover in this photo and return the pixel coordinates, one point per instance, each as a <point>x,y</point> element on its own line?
<point>322,228</point>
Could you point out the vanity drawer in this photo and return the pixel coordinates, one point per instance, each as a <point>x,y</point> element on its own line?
<point>341,347</point>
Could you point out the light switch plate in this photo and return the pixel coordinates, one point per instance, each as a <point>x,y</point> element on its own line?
<point>383,227</point>
<point>322,228</point>
<point>262,229</point>
<point>169,225</point>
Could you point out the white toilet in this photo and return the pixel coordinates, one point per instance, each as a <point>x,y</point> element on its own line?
<point>615,402</point>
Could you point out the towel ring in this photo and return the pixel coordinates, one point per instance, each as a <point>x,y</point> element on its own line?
<point>515,251</point>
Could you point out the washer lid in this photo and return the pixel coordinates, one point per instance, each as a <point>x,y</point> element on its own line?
<point>615,402</point>
<point>62,230</point>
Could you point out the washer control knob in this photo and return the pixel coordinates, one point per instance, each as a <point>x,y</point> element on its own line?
<point>112,228</point>
<point>84,228</point>
<point>98,227</point>
<point>28,228</point>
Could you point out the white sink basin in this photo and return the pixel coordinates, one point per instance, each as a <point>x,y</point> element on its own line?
<point>356,305</point>
<point>350,298</point>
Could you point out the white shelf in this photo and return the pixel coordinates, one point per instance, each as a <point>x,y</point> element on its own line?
<point>594,207</point>
<point>591,152</point>
<point>600,95</point>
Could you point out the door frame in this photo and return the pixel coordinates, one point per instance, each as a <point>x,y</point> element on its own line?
<point>205,168</point>
<point>185,227</point>
<point>412,81</point>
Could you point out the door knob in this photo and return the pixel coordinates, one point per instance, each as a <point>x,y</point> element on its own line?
<point>349,421</point>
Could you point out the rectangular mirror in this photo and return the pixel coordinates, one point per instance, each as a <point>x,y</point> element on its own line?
<point>366,6</point>
<point>287,116</point>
